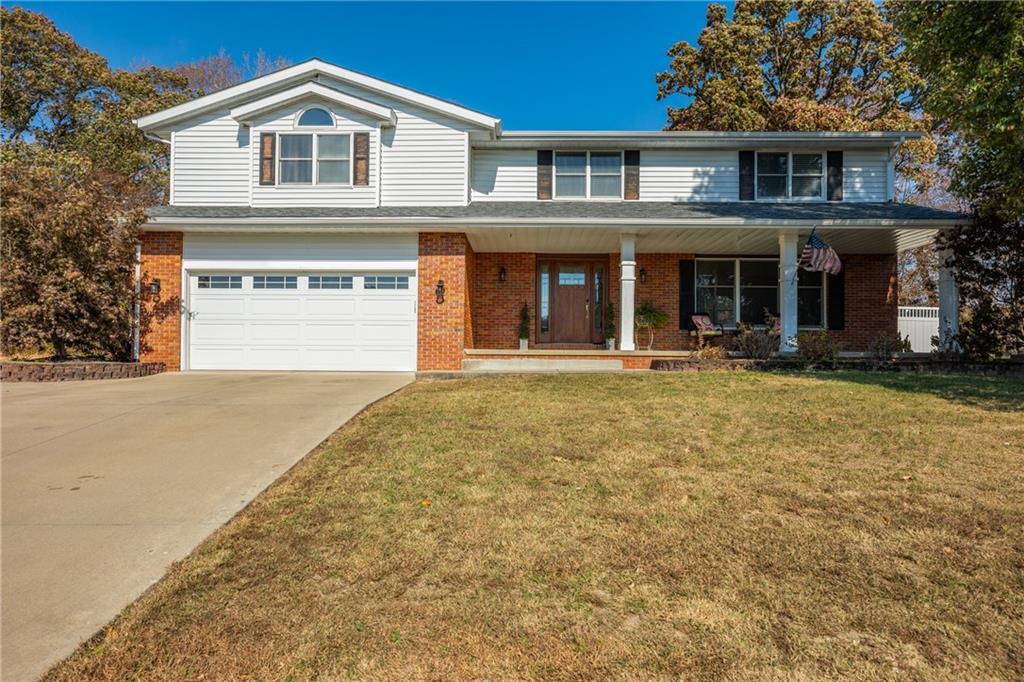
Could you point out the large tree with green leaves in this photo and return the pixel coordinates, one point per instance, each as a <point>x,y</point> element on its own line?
<point>799,65</point>
<point>971,56</point>
<point>76,172</point>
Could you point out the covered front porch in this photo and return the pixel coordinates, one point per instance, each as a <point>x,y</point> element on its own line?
<point>582,286</point>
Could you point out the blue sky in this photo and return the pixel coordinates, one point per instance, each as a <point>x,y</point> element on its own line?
<point>534,65</point>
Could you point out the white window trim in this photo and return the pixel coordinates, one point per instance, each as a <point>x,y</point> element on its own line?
<point>789,176</point>
<point>737,303</point>
<point>332,126</point>
<point>316,133</point>
<point>586,175</point>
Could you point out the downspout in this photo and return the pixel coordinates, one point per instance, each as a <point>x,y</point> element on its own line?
<point>890,170</point>
<point>137,308</point>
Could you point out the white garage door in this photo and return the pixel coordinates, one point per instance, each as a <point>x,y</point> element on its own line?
<point>354,321</point>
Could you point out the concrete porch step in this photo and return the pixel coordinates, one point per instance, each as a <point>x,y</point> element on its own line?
<point>542,365</point>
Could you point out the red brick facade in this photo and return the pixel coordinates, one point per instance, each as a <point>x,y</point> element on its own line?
<point>481,311</point>
<point>872,300</point>
<point>496,304</point>
<point>160,326</point>
<point>660,288</point>
<point>445,328</point>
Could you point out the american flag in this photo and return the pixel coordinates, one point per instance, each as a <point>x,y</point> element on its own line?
<point>818,256</point>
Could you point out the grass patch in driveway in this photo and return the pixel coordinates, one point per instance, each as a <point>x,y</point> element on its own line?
<point>694,525</point>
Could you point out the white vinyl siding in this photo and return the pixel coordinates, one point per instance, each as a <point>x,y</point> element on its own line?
<point>424,157</point>
<point>504,175</point>
<point>864,175</point>
<point>689,175</point>
<point>211,155</point>
<point>308,194</point>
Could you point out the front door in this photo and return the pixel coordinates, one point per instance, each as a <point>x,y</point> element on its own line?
<point>571,310</point>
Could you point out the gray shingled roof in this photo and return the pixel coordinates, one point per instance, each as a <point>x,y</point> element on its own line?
<point>597,210</point>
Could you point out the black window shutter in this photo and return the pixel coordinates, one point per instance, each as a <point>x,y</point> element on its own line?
<point>835,176</point>
<point>746,176</point>
<point>836,304</point>
<point>545,158</point>
<point>687,294</point>
<point>361,159</point>
<point>267,158</point>
<point>631,159</point>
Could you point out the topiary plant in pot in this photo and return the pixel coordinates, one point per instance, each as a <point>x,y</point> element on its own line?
<point>524,327</point>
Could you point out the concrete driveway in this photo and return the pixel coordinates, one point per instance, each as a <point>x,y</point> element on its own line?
<point>106,483</point>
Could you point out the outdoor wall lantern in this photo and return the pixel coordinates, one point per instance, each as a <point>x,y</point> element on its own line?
<point>502,274</point>
<point>439,291</point>
<point>154,287</point>
<point>643,276</point>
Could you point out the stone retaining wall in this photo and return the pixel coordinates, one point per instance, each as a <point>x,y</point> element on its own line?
<point>76,371</point>
<point>994,368</point>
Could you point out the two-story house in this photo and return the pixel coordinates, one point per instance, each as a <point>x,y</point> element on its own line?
<point>323,219</point>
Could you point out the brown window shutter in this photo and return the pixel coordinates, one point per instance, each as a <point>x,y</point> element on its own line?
<point>746,176</point>
<point>631,158</point>
<point>267,142</point>
<point>545,158</point>
<point>361,158</point>
<point>835,176</point>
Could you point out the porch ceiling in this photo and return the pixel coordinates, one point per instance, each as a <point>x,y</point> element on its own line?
<point>718,240</point>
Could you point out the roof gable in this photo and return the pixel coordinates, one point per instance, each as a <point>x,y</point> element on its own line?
<point>262,88</point>
<point>250,110</point>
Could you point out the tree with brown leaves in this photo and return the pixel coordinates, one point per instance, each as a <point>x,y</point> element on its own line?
<point>801,66</point>
<point>77,174</point>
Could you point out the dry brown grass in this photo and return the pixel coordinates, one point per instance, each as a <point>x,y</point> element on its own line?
<point>629,526</point>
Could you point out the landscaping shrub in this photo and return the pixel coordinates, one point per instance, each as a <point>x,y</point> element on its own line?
<point>758,343</point>
<point>818,348</point>
<point>885,346</point>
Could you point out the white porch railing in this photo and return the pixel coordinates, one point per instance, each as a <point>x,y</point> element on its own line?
<point>920,323</point>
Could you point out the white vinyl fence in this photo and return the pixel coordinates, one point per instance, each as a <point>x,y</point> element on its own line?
<point>920,323</point>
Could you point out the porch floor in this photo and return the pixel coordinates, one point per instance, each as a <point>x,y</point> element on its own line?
<point>566,352</point>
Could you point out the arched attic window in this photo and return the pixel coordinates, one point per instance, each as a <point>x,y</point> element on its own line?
<point>316,117</point>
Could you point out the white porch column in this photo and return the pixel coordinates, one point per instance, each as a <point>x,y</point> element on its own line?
<point>949,303</point>
<point>627,287</point>
<point>787,291</point>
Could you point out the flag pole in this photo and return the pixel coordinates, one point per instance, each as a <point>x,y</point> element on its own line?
<point>797,270</point>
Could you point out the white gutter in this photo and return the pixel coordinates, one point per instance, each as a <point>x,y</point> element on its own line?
<point>439,222</point>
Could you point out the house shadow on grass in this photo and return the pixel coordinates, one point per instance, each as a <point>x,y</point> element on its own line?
<point>992,393</point>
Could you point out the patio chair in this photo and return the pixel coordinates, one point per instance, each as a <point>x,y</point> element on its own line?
<point>703,327</point>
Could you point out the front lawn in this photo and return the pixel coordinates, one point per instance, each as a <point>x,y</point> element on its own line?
<point>631,526</point>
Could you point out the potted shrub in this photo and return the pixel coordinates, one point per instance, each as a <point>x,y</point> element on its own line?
<point>609,327</point>
<point>524,328</point>
<point>650,318</point>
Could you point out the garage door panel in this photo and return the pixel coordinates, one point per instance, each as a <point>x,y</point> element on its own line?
<point>274,357</point>
<point>218,332</point>
<point>275,305</point>
<point>378,306</point>
<point>219,305</point>
<point>378,359</point>
<point>330,307</point>
<point>393,334</point>
<point>275,331</point>
<point>349,329</point>
<point>338,333</point>
<point>218,357</point>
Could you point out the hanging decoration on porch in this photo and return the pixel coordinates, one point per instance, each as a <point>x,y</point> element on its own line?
<point>818,256</point>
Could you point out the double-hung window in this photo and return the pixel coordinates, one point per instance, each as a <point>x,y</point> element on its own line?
<point>588,175</point>
<point>790,175</point>
<point>332,153</point>
<point>747,290</point>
